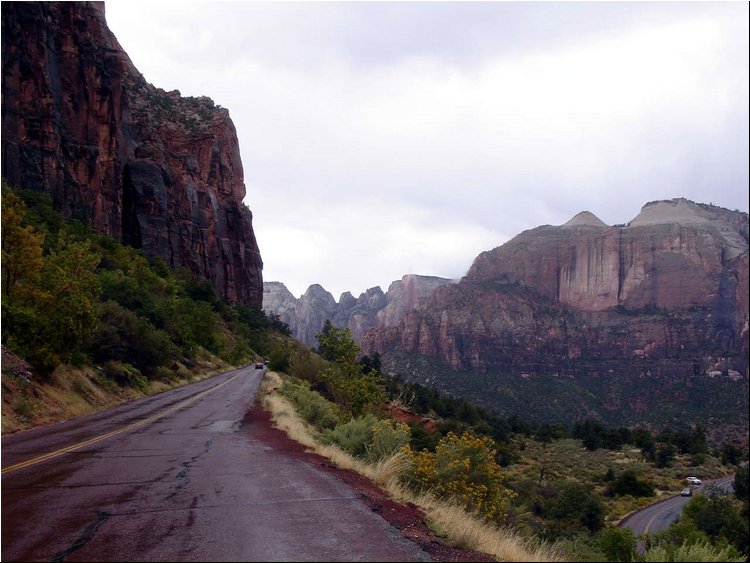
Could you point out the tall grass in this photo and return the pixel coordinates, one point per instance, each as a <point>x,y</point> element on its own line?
<point>461,528</point>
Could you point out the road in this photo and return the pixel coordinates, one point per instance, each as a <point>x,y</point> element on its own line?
<point>180,476</point>
<point>663,514</point>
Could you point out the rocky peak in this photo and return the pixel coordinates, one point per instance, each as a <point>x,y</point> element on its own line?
<point>678,210</point>
<point>347,300</point>
<point>153,169</point>
<point>585,219</point>
<point>277,298</point>
<point>306,315</point>
<point>730,227</point>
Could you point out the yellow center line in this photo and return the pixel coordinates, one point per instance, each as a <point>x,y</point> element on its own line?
<point>102,437</point>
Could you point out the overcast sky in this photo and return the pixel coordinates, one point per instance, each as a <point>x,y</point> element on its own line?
<point>384,138</point>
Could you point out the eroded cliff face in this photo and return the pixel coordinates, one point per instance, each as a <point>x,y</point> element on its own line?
<point>307,315</point>
<point>671,255</point>
<point>665,296</point>
<point>151,168</point>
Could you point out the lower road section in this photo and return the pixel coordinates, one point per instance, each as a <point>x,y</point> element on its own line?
<point>661,515</point>
<point>180,476</point>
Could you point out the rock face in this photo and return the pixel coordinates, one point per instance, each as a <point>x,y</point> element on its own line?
<point>410,292</point>
<point>151,168</point>
<point>664,296</point>
<point>307,315</point>
<point>670,256</point>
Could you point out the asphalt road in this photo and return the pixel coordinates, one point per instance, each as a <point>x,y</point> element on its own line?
<point>663,514</point>
<point>180,476</point>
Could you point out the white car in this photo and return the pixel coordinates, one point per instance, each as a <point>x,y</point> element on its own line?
<point>693,480</point>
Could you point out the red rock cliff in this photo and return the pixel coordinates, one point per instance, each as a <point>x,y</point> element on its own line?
<point>153,169</point>
<point>667,293</point>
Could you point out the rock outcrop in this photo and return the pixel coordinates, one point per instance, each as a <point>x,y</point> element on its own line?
<point>151,168</point>
<point>664,296</point>
<point>307,315</point>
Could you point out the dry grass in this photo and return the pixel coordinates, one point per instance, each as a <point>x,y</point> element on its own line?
<point>72,392</point>
<point>458,526</point>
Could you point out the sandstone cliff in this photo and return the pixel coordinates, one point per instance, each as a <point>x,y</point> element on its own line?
<point>307,315</point>
<point>151,168</point>
<point>663,296</point>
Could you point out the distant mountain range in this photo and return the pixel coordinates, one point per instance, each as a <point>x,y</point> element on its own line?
<point>307,315</point>
<point>645,321</point>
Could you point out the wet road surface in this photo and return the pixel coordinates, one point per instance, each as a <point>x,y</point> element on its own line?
<point>180,476</point>
<point>661,515</point>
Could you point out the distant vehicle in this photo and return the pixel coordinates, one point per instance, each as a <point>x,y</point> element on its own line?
<point>686,492</point>
<point>693,480</point>
<point>259,365</point>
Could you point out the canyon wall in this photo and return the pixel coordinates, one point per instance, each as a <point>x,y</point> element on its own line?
<point>153,169</point>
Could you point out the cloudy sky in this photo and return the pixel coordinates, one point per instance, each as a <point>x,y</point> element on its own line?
<point>386,138</point>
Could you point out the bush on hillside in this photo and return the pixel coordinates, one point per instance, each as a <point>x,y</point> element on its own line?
<point>388,437</point>
<point>310,405</point>
<point>463,468</point>
<point>628,483</point>
<point>352,436</point>
<point>123,336</point>
<point>697,552</point>
<point>618,544</point>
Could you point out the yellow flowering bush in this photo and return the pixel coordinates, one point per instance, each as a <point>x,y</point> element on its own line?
<point>388,436</point>
<point>463,468</point>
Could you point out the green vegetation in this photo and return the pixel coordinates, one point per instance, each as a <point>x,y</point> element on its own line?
<point>563,484</point>
<point>722,400</point>
<point>75,298</point>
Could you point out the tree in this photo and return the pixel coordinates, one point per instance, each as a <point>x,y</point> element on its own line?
<point>741,483</point>
<point>71,286</point>
<point>356,392</point>
<point>627,483</point>
<point>21,246</point>
<point>665,455</point>
<point>577,503</point>
<point>731,454</point>
<point>337,345</point>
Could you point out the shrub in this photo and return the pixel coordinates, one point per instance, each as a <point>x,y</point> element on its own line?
<point>352,436</point>
<point>388,437</point>
<point>125,375</point>
<point>577,504</point>
<point>279,358</point>
<point>311,406</point>
<point>629,484</point>
<point>464,469</point>
<point>741,483</point>
<point>696,552</point>
<point>303,364</point>
<point>125,337</point>
<point>617,544</point>
<point>24,406</point>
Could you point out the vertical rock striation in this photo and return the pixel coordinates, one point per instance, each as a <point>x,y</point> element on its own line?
<point>153,169</point>
<point>307,315</point>
<point>665,296</point>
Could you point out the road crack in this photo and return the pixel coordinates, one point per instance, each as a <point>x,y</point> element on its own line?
<point>84,538</point>
<point>183,477</point>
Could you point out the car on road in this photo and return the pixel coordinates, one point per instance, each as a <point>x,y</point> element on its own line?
<point>258,365</point>
<point>693,480</point>
<point>686,492</point>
